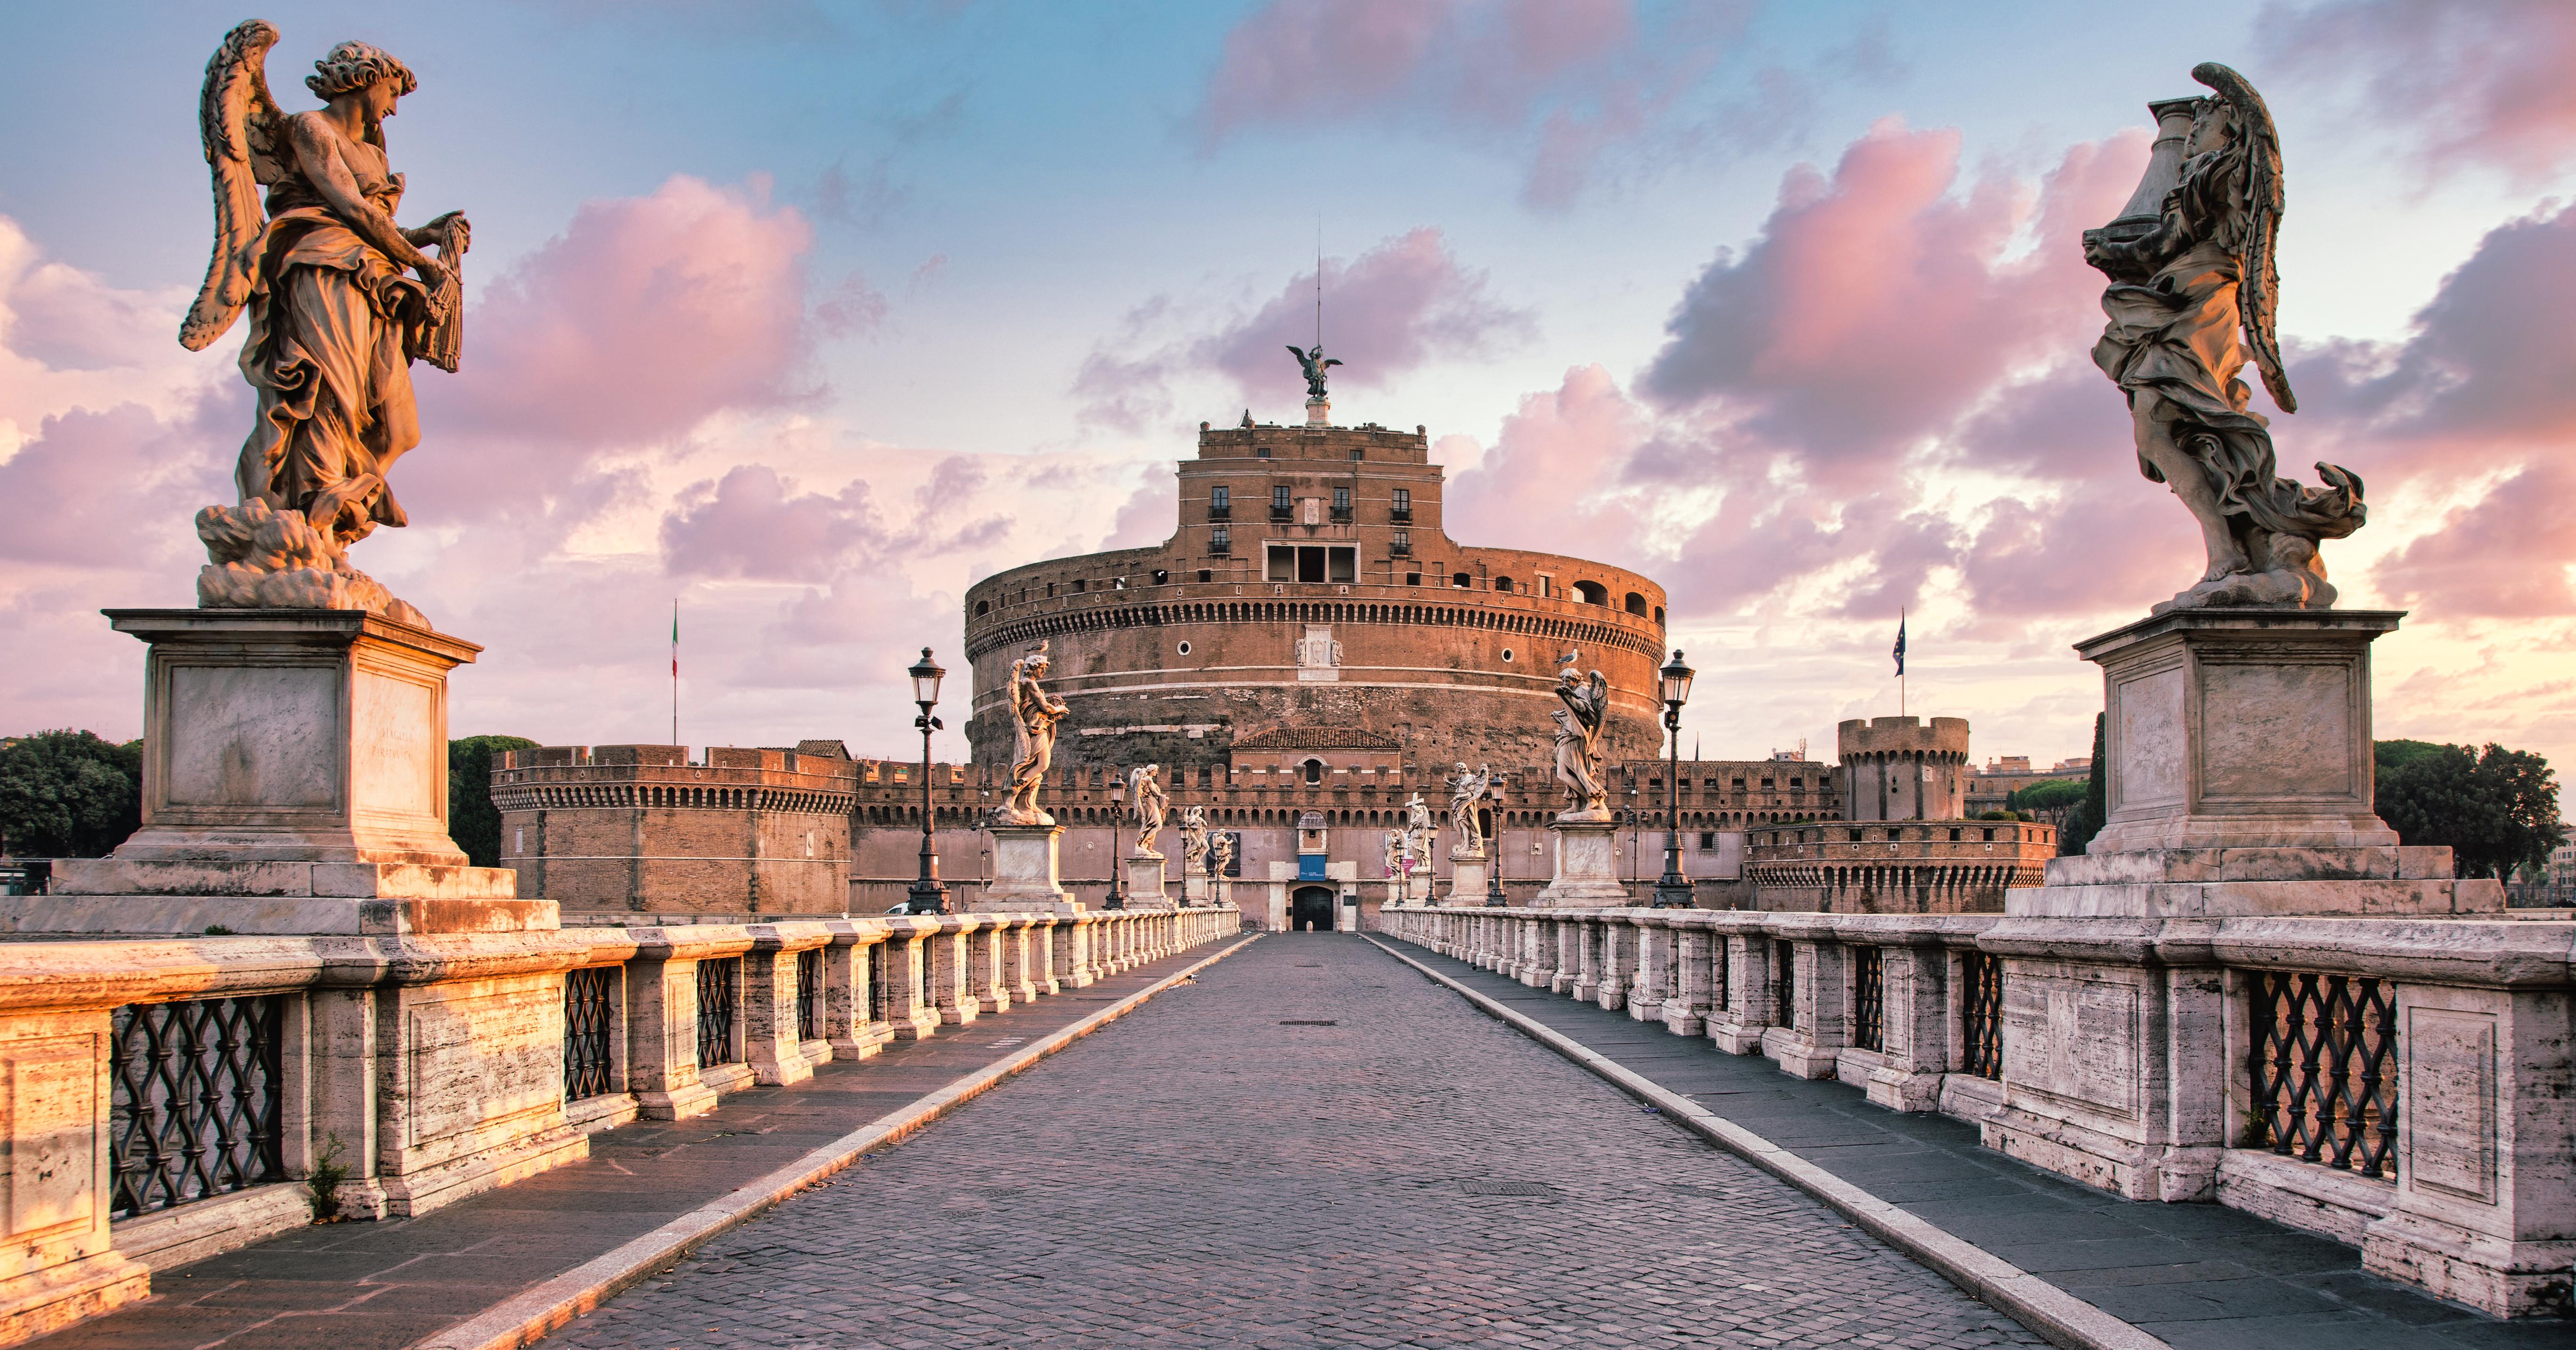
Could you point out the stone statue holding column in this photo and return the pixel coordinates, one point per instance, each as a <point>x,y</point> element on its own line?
<point>1149,805</point>
<point>1587,850</point>
<point>1466,793</point>
<point>2193,296</point>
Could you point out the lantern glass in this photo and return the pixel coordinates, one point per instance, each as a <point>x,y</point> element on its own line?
<point>925,680</point>
<point>1117,790</point>
<point>1676,681</point>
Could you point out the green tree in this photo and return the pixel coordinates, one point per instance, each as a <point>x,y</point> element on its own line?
<point>2084,819</point>
<point>2053,797</point>
<point>472,820</point>
<point>69,794</point>
<point>2390,756</point>
<point>2496,809</point>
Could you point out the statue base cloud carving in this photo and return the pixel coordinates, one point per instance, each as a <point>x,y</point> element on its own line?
<point>258,558</point>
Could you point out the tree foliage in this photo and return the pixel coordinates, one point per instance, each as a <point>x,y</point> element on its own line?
<point>2496,809</point>
<point>2390,756</point>
<point>2084,819</point>
<point>2055,795</point>
<point>69,794</point>
<point>472,820</point>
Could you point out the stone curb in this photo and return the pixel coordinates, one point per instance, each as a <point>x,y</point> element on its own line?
<point>2043,1307</point>
<point>531,1315</point>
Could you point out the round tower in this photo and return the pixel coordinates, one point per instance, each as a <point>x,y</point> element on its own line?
<point>1896,768</point>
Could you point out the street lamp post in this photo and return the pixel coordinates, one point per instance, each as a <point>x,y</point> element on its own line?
<point>927,895</point>
<point>1117,814</point>
<point>1673,889</point>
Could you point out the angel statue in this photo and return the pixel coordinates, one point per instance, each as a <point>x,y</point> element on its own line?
<point>1034,713</point>
<point>1194,841</point>
<point>1394,854</point>
<point>2189,300</point>
<point>1314,364</point>
<point>342,300</point>
<point>1220,854</point>
<point>1466,791</point>
<point>1149,805</point>
<point>1578,738</point>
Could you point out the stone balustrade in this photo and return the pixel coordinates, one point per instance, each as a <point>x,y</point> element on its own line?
<point>172,1099</point>
<point>2403,1085</point>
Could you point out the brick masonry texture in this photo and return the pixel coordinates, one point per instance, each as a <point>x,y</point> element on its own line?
<point>1204,1173</point>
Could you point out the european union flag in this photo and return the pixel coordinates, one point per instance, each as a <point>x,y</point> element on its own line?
<point>1900,646</point>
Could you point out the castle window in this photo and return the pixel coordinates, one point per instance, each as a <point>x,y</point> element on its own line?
<point>1358,452</point>
<point>1766,782</point>
<point>1206,576</point>
<point>1161,577</point>
<point>1507,655</point>
<point>1659,614</point>
<point>1403,505</point>
<point>1954,835</point>
<point>1261,452</point>
<point>1738,783</point>
<point>1990,834</point>
<point>1461,580</point>
<point>1797,782</point>
<point>1342,504</point>
<point>1591,593</point>
<point>1636,604</point>
<point>1503,585</point>
<point>1220,502</point>
<point>983,607</point>
<point>1220,540</point>
<point>1546,586</point>
<point>1185,648</point>
<point>1081,584</point>
<point>1855,836</point>
<point>1282,565</point>
<point>1412,578</point>
<point>1707,840</point>
<point>1050,590</point>
<point>1403,547</point>
<point>1314,771</point>
<point>1280,505</point>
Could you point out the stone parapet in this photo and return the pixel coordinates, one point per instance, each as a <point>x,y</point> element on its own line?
<point>2165,1058</point>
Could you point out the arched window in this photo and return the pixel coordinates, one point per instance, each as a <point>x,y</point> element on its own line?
<point>1636,604</point>
<point>1592,593</point>
<point>1314,772</point>
<point>1503,585</point>
<point>1461,580</point>
<point>983,607</point>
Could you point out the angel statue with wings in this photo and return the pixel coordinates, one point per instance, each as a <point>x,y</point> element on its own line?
<point>1194,841</point>
<point>1151,804</point>
<point>1466,792</point>
<point>1578,738</point>
<point>1314,364</point>
<point>341,300</point>
<point>1034,713</point>
<point>2190,299</point>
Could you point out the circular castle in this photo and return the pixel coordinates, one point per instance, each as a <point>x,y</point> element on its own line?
<point>1311,594</point>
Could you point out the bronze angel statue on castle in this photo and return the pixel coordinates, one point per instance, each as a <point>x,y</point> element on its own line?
<point>341,301</point>
<point>2195,288</point>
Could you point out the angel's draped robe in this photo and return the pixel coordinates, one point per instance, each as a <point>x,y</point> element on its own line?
<point>333,327</point>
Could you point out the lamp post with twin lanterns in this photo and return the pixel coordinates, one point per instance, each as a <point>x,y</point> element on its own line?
<point>1673,888</point>
<point>927,895</point>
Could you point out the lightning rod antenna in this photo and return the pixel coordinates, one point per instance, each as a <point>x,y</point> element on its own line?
<point>1319,281</point>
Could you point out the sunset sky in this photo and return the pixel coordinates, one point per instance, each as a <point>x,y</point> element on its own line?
<point>808,315</point>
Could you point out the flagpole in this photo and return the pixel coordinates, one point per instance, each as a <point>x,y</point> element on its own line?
<point>1900,664</point>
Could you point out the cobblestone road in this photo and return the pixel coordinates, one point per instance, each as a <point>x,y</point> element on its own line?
<point>1209,1172</point>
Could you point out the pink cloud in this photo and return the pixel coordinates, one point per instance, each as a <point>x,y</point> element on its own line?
<point>2482,83</point>
<point>1877,305</point>
<point>1390,311</point>
<point>754,524</point>
<point>1293,60</point>
<point>1539,486</point>
<point>117,489</point>
<point>644,317</point>
<point>2505,556</point>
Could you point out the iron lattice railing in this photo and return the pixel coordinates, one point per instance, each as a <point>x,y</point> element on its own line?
<point>1784,985</point>
<point>193,1109</point>
<point>809,995</point>
<point>1869,998</point>
<point>1981,997</point>
<point>719,993</point>
<point>2322,1063</point>
<point>590,1016</point>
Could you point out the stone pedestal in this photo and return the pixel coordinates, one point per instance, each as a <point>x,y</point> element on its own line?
<point>2239,778</point>
<point>1195,889</point>
<point>1587,864</point>
<point>1319,411</point>
<point>1024,871</point>
<point>1145,882</point>
<point>1466,876</point>
<point>294,781</point>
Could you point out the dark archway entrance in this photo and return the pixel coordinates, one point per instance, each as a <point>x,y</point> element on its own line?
<point>1311,909</point>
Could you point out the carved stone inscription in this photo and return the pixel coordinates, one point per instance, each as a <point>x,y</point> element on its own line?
<point>2076,1040</point>
<point>2449,1097</point>
<point>2276,731</point>
<point>396,765</point>
<point>2150,761</point>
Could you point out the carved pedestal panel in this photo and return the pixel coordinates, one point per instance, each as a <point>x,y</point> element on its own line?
<point>1587,866</point>
<point>1024,871</point>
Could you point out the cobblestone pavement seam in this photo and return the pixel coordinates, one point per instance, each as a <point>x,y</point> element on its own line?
<point>527,1318</point>
<point>2043,1307</point>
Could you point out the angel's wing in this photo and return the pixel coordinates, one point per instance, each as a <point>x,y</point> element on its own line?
<point>2258,295</point>
<point>1332,361</point>
<point>240,125</point>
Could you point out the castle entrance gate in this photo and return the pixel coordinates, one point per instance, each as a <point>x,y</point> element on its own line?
<point>1311,909</point>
